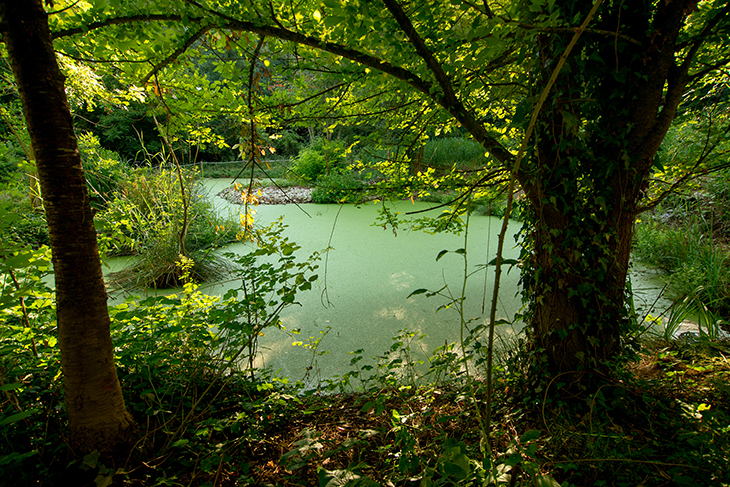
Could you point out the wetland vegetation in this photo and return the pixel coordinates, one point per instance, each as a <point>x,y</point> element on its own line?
<point>471,110</point>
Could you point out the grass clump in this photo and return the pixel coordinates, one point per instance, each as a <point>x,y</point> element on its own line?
<point>697,264</point>
<point>445,152</point>
<point>157,220</point>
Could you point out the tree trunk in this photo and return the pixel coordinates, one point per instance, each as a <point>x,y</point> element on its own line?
<point>98,419</point>
<point>596,140</point>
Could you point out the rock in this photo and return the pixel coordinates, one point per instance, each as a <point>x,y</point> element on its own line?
<point>270,195</point>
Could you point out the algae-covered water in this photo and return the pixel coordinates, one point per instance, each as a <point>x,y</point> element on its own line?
<point>363,287</point>
<point>360,301</point>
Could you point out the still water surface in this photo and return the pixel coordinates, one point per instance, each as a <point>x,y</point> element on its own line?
<point>370,272</point>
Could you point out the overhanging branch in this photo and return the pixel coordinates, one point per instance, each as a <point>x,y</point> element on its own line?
<point>175,54</point>
<point>429,89</point>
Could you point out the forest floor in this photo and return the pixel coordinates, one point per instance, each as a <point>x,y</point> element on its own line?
<point>663,420</point>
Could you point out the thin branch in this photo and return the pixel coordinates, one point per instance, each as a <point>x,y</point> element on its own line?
<point>429,89</point>
<point>710,68</point>
<point>54,12</point>
<point>103,61</point>
<point>123,20</point>
<point>571,30</point>
<point>175,54</point>
<point>707,30</point>
<point>690,174</point>
<point>309,98</point>
<point>424,52</point>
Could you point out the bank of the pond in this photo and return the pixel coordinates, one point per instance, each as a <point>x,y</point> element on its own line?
<point>360,301</point>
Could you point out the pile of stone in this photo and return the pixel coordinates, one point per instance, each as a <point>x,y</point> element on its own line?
<point>269,195</point>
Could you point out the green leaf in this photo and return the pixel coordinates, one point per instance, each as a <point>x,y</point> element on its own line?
<point>10,387</point>
<point>16,457</point>
<point>417,291</point>
<point>546,481</point>
<point>18,416</point>
<point>529,436</point>
<point>342,478</point>
<point>441,254</point>
<point>455,464</point>
<point>368,406</point>
<point>504,262</point>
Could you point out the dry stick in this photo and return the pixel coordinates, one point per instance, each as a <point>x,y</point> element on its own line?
<point>510,196</point>
<point>324,298</point>
<point>165,137</point>
<point>483,426</point>
<point>252,129</point>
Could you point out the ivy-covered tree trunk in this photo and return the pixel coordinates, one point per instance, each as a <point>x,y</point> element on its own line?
<point>596,140</point>
<point>98,419</point>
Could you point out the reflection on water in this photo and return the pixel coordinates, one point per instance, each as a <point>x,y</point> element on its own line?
<point>369,274</point>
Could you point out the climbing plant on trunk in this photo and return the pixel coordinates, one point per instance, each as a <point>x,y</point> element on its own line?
<point>98,419</point>
<point>594,152</point>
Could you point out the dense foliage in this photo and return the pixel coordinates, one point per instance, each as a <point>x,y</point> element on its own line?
<point>601,111</point>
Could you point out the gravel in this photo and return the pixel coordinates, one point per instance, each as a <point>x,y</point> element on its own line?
<point>270,195</point>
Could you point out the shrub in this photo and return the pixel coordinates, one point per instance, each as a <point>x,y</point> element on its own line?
<point>103,170</point>
<point>310,165</point>
<point>338,188</point>
<point>322,157</point>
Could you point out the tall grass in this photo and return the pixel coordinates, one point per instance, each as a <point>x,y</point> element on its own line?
<point>444,152</point>
<point>699,268</point>
<point>147,219</point>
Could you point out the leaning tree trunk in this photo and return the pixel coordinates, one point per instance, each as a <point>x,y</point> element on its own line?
<point>98,419</point>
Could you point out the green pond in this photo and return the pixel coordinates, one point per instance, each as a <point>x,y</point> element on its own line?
<point>370,272</point>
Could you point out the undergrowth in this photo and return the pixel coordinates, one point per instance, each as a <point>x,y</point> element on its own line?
<point>684,241</point>
<point>208,416</point>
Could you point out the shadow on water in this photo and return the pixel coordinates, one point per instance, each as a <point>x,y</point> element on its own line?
<point>369,274</point>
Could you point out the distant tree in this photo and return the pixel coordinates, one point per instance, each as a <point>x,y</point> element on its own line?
<point>98,419</point>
